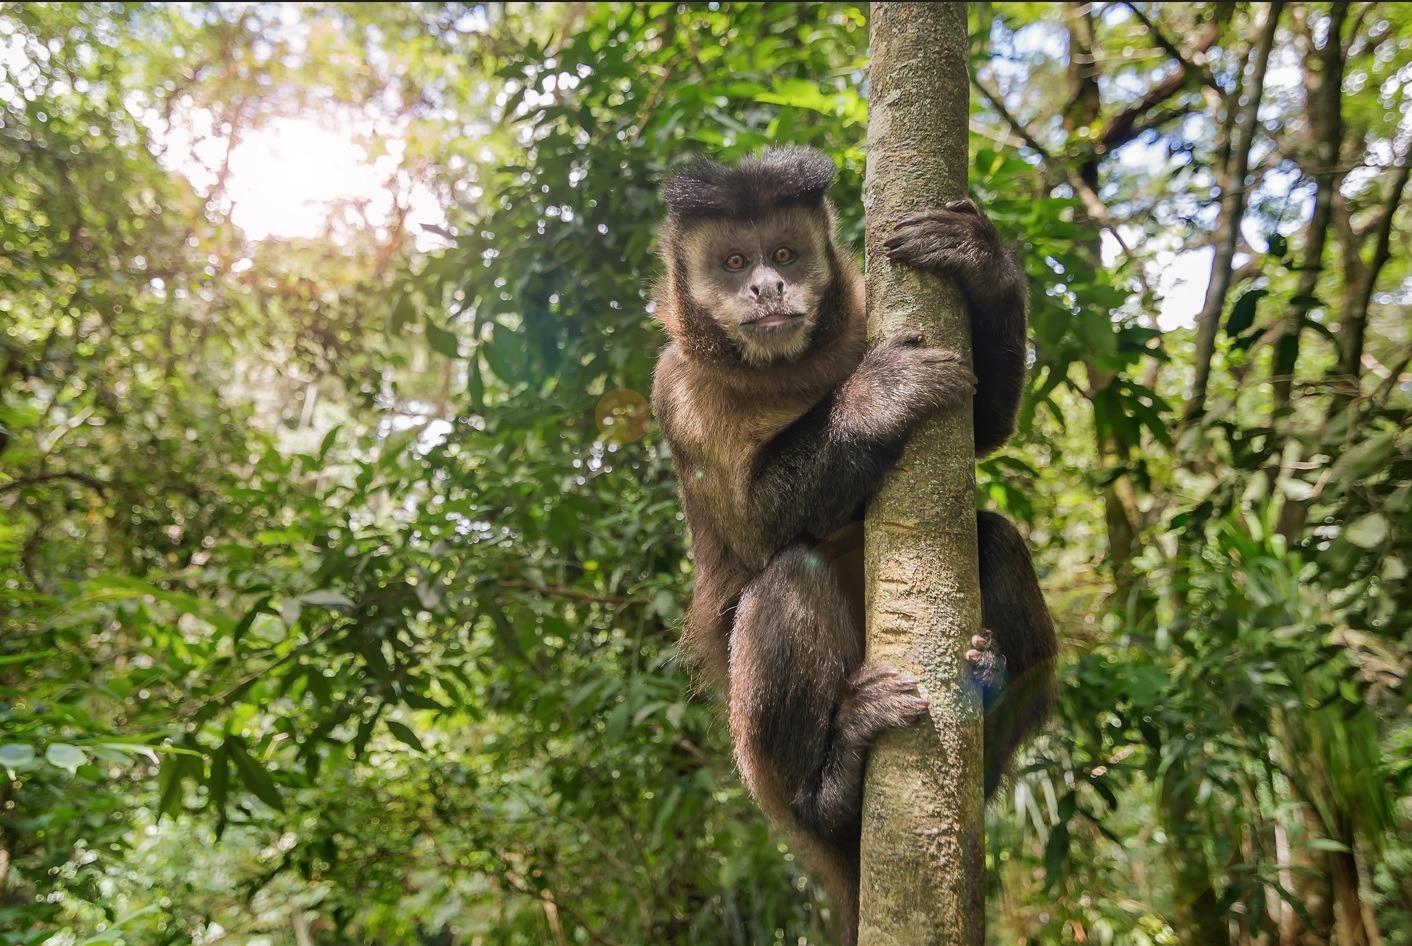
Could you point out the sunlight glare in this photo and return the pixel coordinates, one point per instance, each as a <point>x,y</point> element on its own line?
<point>287,175</point>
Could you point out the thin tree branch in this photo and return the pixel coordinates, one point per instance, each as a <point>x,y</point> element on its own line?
<point>561,591</point>
<point>1241,140</point>
<point>93,483</point>
<point>1093,204</point>
<point>1399,366</point>
<point>1119,130</point>
<point>1355,322</point>
<point>1185,60</point>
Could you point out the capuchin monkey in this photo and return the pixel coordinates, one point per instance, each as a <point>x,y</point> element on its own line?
<point>781,423</point>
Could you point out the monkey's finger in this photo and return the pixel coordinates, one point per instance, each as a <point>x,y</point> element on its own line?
<point>899,238</point>
<point>908,336</point>
<point>926,216</point>
<point>940,356</point>
<point>911,229</point>
<point>947,216</point>
<point>964,205</point>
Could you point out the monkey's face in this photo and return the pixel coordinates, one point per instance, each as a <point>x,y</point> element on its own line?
<point>762,281</point>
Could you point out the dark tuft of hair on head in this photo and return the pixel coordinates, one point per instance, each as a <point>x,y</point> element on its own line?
<point>779,177</point>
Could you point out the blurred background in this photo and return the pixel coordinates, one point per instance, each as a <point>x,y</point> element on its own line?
<point>341,564</point>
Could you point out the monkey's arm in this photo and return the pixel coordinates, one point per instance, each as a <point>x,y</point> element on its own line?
<point>960,241</point>
<point>719,580</point>
<point>814,477</point>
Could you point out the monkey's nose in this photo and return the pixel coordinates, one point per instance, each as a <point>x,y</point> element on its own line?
<point>758,287</point>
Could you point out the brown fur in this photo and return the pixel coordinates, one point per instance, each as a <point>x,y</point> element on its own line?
<point>777,457</point>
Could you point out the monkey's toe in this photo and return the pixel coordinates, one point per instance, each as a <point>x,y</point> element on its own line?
<point>907,338</point>
<point>964,206</point>
<point>881,698</point>
<point>989,671</point>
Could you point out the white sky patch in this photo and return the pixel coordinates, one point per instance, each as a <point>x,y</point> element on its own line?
<point>1181,278</point>
<point>1181,282</point>
<point>289,174</point>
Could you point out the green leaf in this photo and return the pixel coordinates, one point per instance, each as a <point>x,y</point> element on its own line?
<point>261,606</point>
<point>475,385</point>
<point>256,779</point>
<point>1243,312</point>
<point>219,784</point>
<point>1328,844</point>
<point>442,342</point>
<point>327,443</point>
<point>1367,532</point>
<point>405,735</point>
<point>65,756</point>
<point>169,784</point>
<point>327,599</point>
<point>15,755</point>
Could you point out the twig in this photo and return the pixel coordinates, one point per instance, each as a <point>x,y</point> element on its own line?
<point>560,591</point>
<point>652,97</point>
<point>1092,203</point>
<point>93,483</point>
<point>1184,60</point>
<point>521,887</point>
<point>254,675</point>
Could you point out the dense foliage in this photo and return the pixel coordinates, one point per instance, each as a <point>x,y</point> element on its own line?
<point>340,576</point>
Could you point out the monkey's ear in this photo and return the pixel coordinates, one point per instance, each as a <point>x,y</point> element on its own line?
<point>776,178</point>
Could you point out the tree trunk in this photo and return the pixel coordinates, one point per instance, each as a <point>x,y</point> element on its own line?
<point>1082,111</point>
<point>1233,173</point>
<point>1197,917</point>
<point>923,826</point>
<point>1323,85</point>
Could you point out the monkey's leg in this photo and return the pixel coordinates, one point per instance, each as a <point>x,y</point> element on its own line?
<point>803,711</point>
<point>1020,692</point>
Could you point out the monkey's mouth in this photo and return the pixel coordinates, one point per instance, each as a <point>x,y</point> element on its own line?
<point>771,319</point>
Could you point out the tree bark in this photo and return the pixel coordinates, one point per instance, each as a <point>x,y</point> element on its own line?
<point>923,827</point>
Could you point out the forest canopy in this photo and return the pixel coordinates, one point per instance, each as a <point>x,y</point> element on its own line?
<point>342,564</point>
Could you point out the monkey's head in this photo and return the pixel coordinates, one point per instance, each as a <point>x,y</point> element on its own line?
<point>752,271</point>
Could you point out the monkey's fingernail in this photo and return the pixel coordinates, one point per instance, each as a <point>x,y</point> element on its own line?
<point>973,655</point>
<point>889,674</point>
<point>908,680</point>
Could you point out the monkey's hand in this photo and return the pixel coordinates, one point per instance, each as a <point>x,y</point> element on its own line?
<point>959,240</point>
<point>900,383</point>
<point>816,474</point>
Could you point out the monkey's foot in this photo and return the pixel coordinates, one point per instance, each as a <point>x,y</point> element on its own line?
<point>956,238</point>
<point>988,668</point>
<point>880,698</point>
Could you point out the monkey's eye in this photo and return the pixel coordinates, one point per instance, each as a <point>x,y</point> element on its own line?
<point>783,255</point>
<point>735,262</point>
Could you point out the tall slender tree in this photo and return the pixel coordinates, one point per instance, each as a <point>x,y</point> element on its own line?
<point>923,832</point>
